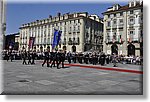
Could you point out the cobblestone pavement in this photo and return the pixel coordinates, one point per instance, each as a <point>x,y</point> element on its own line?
<point>35,79</point>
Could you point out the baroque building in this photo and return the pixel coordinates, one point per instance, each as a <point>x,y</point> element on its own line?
<point>123,29</point>
<point>80,32</point>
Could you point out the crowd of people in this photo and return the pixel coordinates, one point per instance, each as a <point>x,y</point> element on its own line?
<point>55,58</point>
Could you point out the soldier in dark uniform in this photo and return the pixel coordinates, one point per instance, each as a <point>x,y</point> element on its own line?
<point>94,58</point>
<point>61,57</point>
<point>107,59</point>
<point>69,55</point>
<point>73,57</point>
<point>80,57</point>
<point>54,59</point>
<point>33,57</point>
<point>24,56</point>
<point>114,60</point>
<point>29,57</point>
<point>86,58</point>
<point>46,58</point>
<point>7,55</point>
<point>102,57</point>
<point>11,55</point>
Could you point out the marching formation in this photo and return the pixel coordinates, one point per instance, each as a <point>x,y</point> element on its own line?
<point>57,58</point>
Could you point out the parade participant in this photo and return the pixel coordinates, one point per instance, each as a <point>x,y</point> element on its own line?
<point>94,58</point>
<point>107,59</point>
<point>73,57</point>
<point>33,57</point>
<point>29,57</point>
<point>46,58</point>
<point>102,59</point>
<point>61,55</point>
<point>11,55</point>
<point>7,55</point>
<point>86,58</point>
<point>54,59</point>
<point>24,55</point>
<point>114,60</point>
<point>69,55</point>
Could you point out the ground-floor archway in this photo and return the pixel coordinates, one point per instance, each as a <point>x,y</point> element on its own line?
<point>114,49</point>
<point>131,49</point>
<point>73,48</point>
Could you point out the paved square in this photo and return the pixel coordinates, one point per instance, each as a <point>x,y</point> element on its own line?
<point>74,79</point>
<point>45,82</point>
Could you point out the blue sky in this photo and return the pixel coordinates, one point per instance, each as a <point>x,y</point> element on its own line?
<point>20,13</point>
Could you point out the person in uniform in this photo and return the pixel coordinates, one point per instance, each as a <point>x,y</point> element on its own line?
<point>54,59</point>
<point>7,56</point>
<point>114,60</point>
<point>107,59</point>
<point>61,58</point>
<point>94,58</point>
<point>69,57</point>
<point>24,55</point>
<point>11,55</point>
<point>86,58</point>
<point>33,57</point>
<point>29,57</point>
<point>46,58</point>
<point>102,57</point>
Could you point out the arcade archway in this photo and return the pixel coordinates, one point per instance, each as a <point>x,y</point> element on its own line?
<point>131,49</point>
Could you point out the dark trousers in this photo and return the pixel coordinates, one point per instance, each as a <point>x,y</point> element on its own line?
<point>69,60</point>
<point>33,61</point>
<point>24,61</point>
<point>46,61</point>
<point>53,62</point>
<point>29,61</point>
<point>94,61</point>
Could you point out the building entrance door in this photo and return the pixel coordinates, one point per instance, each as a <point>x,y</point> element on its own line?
<point>131,49</point>
<point>73,48</point>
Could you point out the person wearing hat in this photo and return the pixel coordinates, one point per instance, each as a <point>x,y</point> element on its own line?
<point>46,58</point>
<point>24,56</point>
<point>61,55</point>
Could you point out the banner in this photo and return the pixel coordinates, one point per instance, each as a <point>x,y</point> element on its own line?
<point>55,39</point>
<point>58,38</point>
<point>31,42</point>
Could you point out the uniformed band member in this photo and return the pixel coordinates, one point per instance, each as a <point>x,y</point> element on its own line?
<point>46,58</point>
<point>61,58</point>
<point>7,56</point>
<point>94,58</point>
<point>33,57</point>
<point>11,55</point>
<point>114,60</point>
<point>54,59</point>
<point>107,59</point>
<point>29,57</point>
<point>102,59</point>
<point>69,57</point>
<point>24,55</point>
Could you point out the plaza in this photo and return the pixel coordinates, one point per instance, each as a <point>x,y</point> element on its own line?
<point>73,79</point>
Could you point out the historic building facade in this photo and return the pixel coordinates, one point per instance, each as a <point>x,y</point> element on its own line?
<point>79,31</point>
<point>123,29</point>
